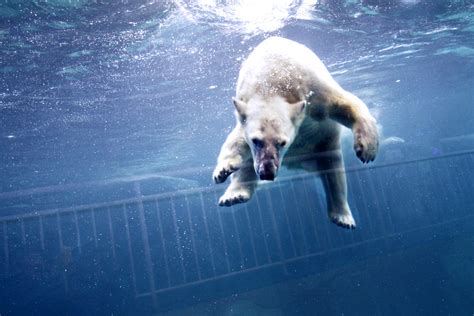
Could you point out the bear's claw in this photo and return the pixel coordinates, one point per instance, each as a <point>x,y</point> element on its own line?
<point>343,220</point>
<point>234,198</point>
<point>222,173</point>
<point>366,140</point>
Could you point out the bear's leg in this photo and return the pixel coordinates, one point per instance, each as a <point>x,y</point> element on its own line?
<point>331,167</point>
<point>241,187</point>
<point>233,152</point>
<point>348,110</point>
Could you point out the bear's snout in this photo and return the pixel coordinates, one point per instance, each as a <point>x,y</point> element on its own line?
<point>267,170</point>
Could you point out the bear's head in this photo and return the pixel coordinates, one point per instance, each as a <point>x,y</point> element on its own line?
<point>270,127</point>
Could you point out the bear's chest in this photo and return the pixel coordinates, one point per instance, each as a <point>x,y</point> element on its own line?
<point>310,135</point>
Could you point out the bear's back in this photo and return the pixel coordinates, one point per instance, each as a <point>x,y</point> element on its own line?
<point>279,66</point>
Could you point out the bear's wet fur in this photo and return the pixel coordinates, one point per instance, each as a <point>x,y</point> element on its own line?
<point>288,111</point>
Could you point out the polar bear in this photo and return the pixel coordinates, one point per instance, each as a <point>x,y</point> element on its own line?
<point>288,106</point>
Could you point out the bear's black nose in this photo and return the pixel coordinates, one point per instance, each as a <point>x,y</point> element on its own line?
<point>267,170</point>
<point>267,176</point>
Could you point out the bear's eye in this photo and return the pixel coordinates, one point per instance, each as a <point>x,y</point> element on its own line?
<point>257,142</point>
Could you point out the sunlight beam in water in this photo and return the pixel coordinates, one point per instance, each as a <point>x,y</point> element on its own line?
<point>246,16</point>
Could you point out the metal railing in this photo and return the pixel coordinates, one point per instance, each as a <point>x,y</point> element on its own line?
<point>173,240</point>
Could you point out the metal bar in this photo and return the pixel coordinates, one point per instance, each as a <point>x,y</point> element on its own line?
<point>419,199</point>
<point>41,232</point>
<point>60,233</point>
<point>307,256</point>
<point>324,212</point>
<point>221,228</point>
<point>467,181</point>
<point>297,208</point>
<point>376,177</point>
<point>163,246</point>
<point>62,252</point>
<point>252,240</point>
<point>23,234</point>
<point>364,201</point>
<point>111,233</point>
<point>78,232</point>
<point>94,228</point>
<point>5,250</point>
<point>168,175</point>
<point>190,223</point>
<point>375,198</point>
<point>146,244</point>
<point>350,193</point>
<point>206,227</point>
<point>275,228</point>
<point>178,239</point>
<point>381,201</point>
<point>83,208</point>
<point>329,200</point>
<point>440,184</point>
<point>455,185</point>
<point>311,214</point>
<point>75,186</point>
<point>396,186</point>
<point>259,211</point>
<point>241,253</point>
<point>129,246</point>
<point>187,191</point>
<point>287,219</point>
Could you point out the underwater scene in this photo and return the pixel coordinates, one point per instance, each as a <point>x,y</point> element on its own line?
<point>112,119</point>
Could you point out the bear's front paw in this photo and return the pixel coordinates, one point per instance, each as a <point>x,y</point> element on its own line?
<point>223,171</point>
<point>234,197</point>
<point>343,219</point>
<point>366,139</point>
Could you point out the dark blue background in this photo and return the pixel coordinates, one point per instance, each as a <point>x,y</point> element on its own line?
<point>97,96</point>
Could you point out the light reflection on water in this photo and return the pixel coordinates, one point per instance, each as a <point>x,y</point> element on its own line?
<point>247,16</point>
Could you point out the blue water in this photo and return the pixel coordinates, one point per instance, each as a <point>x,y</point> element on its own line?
<point>112,114</point>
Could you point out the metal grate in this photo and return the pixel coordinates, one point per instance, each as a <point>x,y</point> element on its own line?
<point>173,240</point>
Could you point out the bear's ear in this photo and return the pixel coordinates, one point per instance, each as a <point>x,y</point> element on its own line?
<point>297,108</point>
<point>240,107</point>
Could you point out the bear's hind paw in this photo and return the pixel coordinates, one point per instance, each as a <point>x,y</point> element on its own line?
<point>229,199</point>
<point>343,220</point>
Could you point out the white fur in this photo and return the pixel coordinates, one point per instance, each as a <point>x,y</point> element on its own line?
<point>285,94</point>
